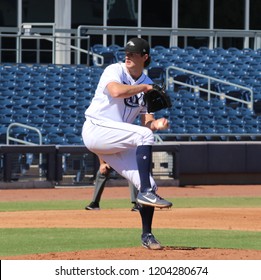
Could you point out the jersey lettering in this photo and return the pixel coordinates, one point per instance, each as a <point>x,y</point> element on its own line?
<point>134,101</point>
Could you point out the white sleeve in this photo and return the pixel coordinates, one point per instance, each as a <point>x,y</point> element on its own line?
<point>111,73</point>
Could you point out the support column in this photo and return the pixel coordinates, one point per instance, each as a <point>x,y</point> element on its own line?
<point>62,21</point>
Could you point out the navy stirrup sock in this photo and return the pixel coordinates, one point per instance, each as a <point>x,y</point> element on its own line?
<point>146,213</point>
<point>144,157</point>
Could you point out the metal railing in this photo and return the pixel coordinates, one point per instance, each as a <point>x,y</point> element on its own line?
<point>215,36</point>
<point>210,80</point>
<point>48,31</point>
<point>24,142</point>
<point>10,138</point>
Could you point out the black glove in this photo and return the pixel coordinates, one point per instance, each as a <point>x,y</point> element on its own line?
<point>157,99</point>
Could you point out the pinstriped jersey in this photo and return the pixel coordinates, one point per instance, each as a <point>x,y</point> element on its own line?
<point>105,107</point>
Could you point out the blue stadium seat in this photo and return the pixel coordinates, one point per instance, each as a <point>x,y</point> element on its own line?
<point>53,110</point>
<point>190,111</point>
<point>20,110</point>
<point>218,111</point>
<point>222,129</point>
<point>6,120</point>
<point>210,129</point>
<point>99,48</point>
<point>160,49</point>
<point>236,120</point>
<point>250,120</point>
<point>37,120</point>
<point>177,111</point>
<point>114,47</point>
<point>189,102</point>
<point>176,120</point>
<point>252,129</point>
<point>74,139</point>
<point>237,129</point>
<point>221,120</point>
<point>179,129</point>
<point>195,129</point>
<point>24,119</point>
<point>49,128</point>
<point>207,120</point>
<point>53,119</point>
<point>205,50</point>
<point>37,110</point>
<point>20,101</point>
<point>156,73</point>
<point>36,101</point>
<point>7,102</point>
<point>204,111</point>
<point>57,139</point>
<point>120,55</point>
<point>68,129</point>
<point>68,111</point>
<point>191,120</point>
<point>6,111</point>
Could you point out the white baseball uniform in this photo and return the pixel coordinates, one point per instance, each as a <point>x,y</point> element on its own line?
<point>109,130</point>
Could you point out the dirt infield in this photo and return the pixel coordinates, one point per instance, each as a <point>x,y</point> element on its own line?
<point>207,218</point>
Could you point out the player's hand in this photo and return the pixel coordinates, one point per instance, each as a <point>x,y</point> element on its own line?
<point>161,124</point>
<point>104,168</point>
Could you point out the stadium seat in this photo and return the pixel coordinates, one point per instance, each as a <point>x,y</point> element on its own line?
<point>236,120</point>
<point>49,128</point>
<point>57,139</point>
<point>250,120</point>
<point>176,120</point>
<point>221,120</point>
<point>156,73</point>
<point>193,129</point>
<point>208,129</point>
<point>74,139</point>
<point>114,47</point>
<point>207,120</point>
<point>120,55</point>
<point>218,111</point>
<point>222,129</point>
<point>238,129</point>
<point>178,129</point>
<point>20,110</point>
<point>191,119</point>
<point>53,119</point>
<point>251,129</point>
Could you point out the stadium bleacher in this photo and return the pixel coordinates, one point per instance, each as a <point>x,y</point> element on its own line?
<point>53,98</point>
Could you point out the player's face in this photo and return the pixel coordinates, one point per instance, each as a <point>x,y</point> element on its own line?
<point>134,60</point>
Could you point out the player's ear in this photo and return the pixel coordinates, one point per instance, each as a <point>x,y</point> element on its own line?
<point>147,61</point>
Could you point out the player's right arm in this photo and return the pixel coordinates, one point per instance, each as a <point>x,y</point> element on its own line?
<point>118,90</point>
<point>149,121</point>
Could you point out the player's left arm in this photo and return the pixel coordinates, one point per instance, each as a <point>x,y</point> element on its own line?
<point>149,121</point>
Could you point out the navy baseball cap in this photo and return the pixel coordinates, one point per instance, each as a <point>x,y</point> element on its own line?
<point>137,45</point>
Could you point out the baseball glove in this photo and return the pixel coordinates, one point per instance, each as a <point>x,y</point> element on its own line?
<point>157,99</point>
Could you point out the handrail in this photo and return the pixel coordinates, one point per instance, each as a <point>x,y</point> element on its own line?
<point>78,49</point>
<point>8,137</point>
<point>222,95</point>
<point>214,35</point>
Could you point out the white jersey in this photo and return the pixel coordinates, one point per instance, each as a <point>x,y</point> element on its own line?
<point>105,107</point>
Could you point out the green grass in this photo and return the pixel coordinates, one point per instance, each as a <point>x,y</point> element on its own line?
<point>34,241</point>
<point>20,241</point>
<point>216,202</point>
